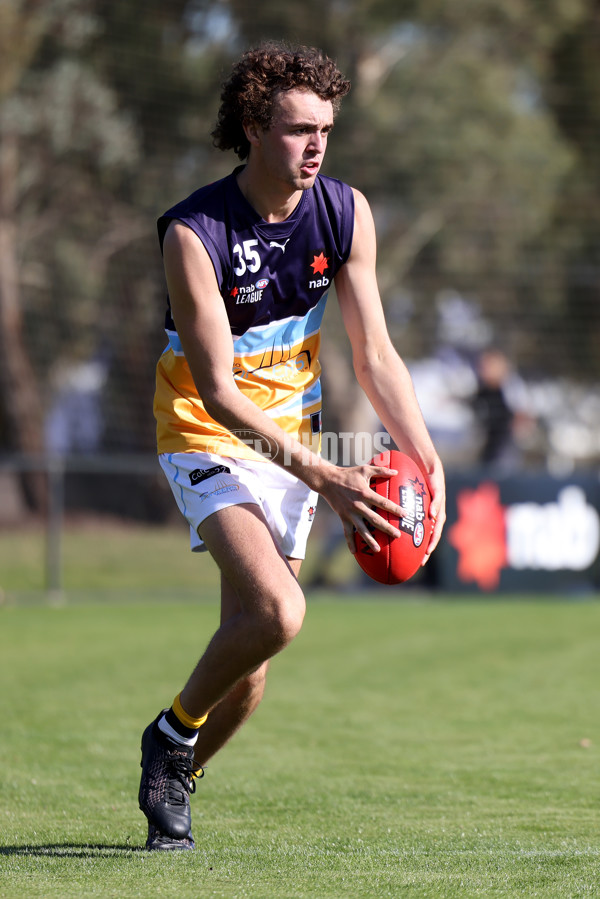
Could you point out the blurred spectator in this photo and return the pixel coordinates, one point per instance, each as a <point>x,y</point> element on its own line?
<point>495,417</point>
<point>74,423</point>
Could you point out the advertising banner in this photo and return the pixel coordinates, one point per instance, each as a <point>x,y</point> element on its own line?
<point>521,533</point>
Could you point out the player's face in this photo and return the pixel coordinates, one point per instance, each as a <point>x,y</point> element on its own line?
<point>292,149</point>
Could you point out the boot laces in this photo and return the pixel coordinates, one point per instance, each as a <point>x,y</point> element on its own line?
<point>183,770</point>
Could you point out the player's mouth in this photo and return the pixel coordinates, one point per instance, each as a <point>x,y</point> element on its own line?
<point>310,168</point>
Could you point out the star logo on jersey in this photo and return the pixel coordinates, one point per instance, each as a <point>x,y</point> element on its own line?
<point>319,263</point>
<point>233,293</point>
<point>479,536</point>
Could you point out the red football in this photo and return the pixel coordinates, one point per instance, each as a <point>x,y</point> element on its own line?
<point>399,557</point>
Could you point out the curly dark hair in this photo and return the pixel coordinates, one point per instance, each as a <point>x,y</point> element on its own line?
<point>262,72</point>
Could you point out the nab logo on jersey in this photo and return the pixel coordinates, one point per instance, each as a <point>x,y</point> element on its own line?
<point>319,264</point>
<point>252,293</point>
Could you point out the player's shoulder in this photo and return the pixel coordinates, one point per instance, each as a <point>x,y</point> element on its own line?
<point>334,187</point>
<point>334,205</point>
<point>205,199</point>
<point>328,185</point>
<point>203,211</point>
<point>361,204</point>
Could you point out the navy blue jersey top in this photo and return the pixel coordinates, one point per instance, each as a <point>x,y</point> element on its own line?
<point>273,279</point>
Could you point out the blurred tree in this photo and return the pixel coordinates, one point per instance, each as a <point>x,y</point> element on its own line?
<point>20,36</point>
<point>84,141</point>
<point>448,132</point>
<point>52,113</point>
<point>472,127</point>
<point>572,90</point>
<point>165,67</point>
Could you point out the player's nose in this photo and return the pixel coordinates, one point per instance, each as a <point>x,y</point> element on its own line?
<point>317,142</point>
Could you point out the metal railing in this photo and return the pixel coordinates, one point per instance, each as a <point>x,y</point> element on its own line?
<point>55,469</point>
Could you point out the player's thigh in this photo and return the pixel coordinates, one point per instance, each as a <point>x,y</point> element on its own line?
<point>257,572</point>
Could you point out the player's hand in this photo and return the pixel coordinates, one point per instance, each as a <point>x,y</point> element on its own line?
<point>348,492</point>
<point>437,509</point>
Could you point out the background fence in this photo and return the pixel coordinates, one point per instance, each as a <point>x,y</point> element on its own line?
<point>505,532</point>
<point>474,131</point>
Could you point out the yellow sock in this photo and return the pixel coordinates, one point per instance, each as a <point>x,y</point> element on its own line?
<point>184,718</point>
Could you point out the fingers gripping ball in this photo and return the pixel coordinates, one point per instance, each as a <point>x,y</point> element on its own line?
<point>399,557</point>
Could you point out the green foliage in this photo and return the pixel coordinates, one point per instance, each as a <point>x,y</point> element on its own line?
<point>472,127</point>
<point>403,748</point>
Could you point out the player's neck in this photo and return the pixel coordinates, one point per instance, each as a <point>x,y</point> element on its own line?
<point>273,201</point>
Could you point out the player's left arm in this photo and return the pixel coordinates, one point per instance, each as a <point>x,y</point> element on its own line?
<point>379,369</point>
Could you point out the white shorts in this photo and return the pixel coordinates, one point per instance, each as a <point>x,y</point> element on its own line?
<point>203,483</point>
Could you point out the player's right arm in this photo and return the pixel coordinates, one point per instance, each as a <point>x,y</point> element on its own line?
<point>205,334</point>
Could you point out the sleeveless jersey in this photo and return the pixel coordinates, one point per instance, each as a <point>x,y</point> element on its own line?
<point>273,279</point>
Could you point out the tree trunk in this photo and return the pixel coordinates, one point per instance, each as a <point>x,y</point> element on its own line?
<point>19,395</point>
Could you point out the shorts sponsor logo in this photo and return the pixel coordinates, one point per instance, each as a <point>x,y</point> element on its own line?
<point>221,488</point>
<point>201,474</point>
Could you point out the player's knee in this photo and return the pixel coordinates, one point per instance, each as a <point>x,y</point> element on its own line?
<point>291,621</point>
<point>284,619</point>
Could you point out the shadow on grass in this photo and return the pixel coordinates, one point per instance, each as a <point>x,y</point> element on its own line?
<point>72,850</point>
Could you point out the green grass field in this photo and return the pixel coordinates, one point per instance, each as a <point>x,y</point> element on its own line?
<point>406,747</point>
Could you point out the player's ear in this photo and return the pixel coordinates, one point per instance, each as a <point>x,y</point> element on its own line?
<point>252,132</point>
